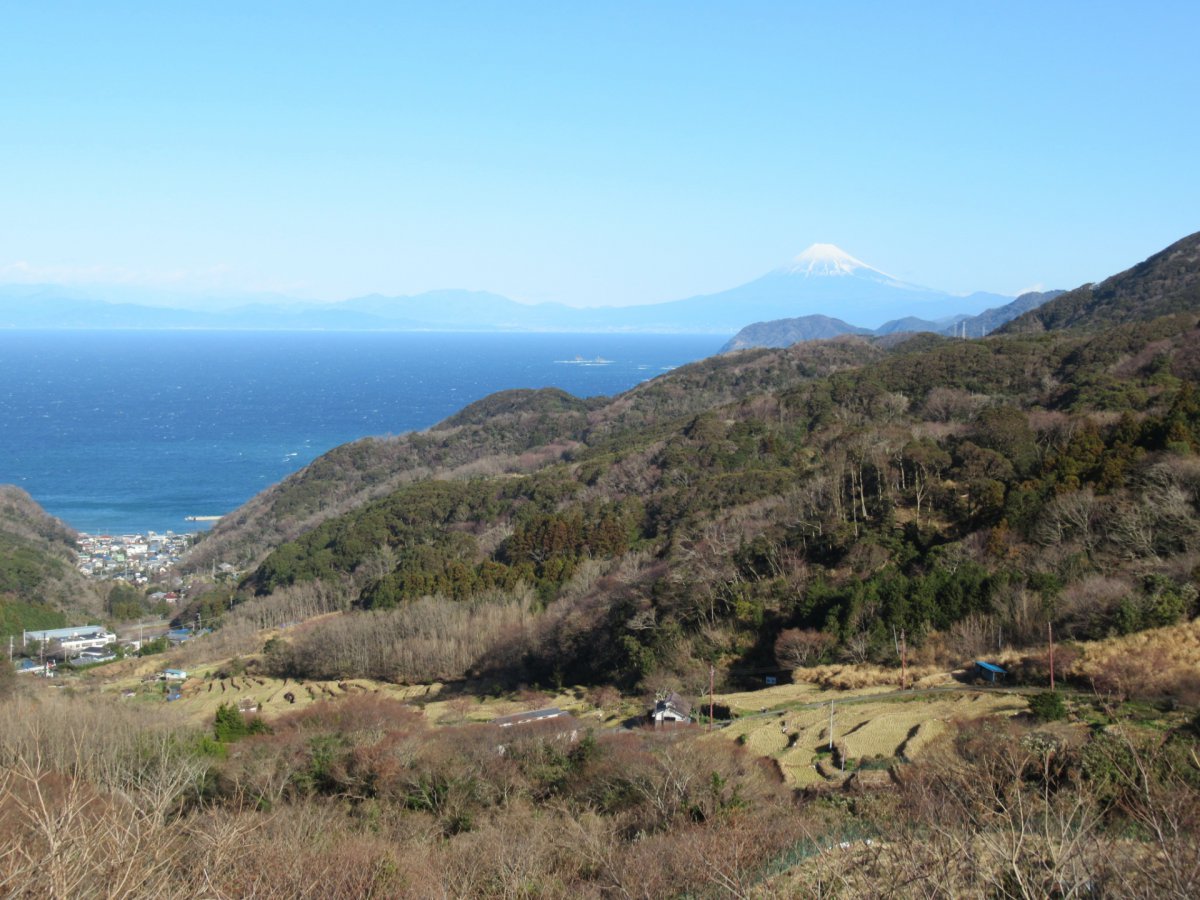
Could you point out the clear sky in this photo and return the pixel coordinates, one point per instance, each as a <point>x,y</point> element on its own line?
<point>591,152</point>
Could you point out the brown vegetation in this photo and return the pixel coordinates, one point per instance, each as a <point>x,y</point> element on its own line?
<point>360,796</point>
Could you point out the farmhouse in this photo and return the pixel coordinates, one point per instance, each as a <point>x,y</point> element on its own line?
<point>671,709</point>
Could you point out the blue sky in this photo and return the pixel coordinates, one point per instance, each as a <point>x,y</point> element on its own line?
<point>590,153</point>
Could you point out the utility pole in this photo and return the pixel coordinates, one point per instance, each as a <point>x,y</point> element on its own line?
<point>903,662</point>
<point>712,674</point>
<point>831,725</point>
<point>1050,634</point>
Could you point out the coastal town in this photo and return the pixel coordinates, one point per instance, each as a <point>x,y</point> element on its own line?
<point>139,559</point>
<point>144,561</point>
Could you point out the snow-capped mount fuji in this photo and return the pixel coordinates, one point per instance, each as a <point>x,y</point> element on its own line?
<point>825,259</point>
<point>830,259</point>
<point>822,280</point>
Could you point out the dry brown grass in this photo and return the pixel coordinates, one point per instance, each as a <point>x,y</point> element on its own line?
<point>1154,663</point>
<point>855,677</point>
<point>744,702</point>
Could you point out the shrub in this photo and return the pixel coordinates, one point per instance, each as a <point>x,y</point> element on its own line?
<point>158,645</point>
<point>229,724</point>
<point>1048,706</point>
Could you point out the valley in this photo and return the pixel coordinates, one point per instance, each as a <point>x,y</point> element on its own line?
<point>429,659</point>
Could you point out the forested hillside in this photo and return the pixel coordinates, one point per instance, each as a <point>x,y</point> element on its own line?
<point>509,432</point>
<point>1168,282</point>
<point>968,493</point>
<point>38,581</point>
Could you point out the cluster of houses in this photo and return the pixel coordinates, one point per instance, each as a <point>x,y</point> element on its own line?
<point>79,645</point>
<point>136,558</point>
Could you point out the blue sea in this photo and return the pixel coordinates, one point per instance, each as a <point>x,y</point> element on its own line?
<point>134,431</point>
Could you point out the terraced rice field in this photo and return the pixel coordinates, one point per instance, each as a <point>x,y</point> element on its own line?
<point>767,741</point>
<point>925,734</point>
<point>200,696</point>
<point>202,693</point>
<point>454,710</point>
<point>880,736</point>
<point>781,695</point>
<point>797,767</point>
<point>794,737</point>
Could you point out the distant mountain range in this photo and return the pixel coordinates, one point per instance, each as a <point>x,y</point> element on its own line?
<point>785,332</point>
<point>820,280</point>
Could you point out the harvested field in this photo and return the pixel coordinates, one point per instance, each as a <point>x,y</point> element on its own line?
<point>864,728</point>
<point>746,702</point>
<point>881,736</point>
<point>467,708</point>
<point>768,741</point>
<point>199,696</point>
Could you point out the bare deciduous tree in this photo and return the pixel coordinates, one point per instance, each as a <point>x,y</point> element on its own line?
<point>797,648</point>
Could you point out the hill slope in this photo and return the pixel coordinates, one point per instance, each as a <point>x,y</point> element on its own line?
<point>785,332</point>
<point>509,432</point>
<point>1168,282</point>
<point>38,580</point>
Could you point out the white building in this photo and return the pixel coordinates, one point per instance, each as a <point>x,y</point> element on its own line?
<point>670,709</point>
<point>72,640</point>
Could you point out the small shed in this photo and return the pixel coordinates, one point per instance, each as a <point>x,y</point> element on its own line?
<point>989,672</point>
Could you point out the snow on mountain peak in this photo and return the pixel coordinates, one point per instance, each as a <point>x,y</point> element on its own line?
<point>825,259</point>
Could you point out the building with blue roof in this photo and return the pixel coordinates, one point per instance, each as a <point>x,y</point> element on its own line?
<point>989,672</point>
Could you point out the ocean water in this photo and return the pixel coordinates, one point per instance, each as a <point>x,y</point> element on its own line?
<point>131,431</point>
